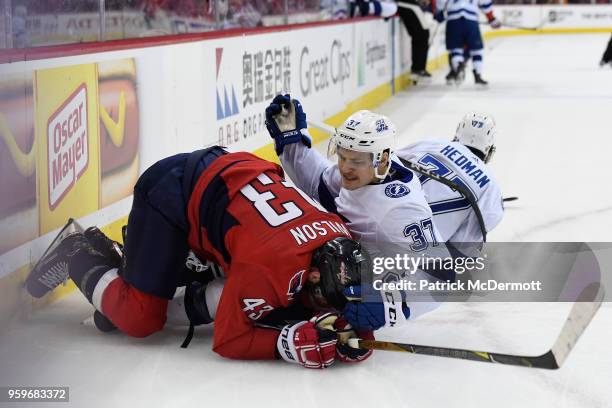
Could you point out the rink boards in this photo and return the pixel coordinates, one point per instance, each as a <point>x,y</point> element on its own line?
<point>78,130</point>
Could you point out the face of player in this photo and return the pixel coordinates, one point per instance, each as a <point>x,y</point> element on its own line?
<point>356,168</point>
<point>314,290</point>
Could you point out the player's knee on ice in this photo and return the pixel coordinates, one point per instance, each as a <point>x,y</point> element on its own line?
<point>135,313</point>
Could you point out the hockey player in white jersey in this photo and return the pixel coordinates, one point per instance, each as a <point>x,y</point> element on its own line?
<point>462,29</point>
<point>463,160</point>
<point>381,201</point>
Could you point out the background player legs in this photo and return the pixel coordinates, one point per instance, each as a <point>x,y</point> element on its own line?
<point>455,42</point>
<point>476,56</point>
<point>419,36</point>
<point>450,77</point>
<point>476,48</point>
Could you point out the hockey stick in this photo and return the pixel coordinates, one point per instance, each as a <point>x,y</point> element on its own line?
<point>518,27</point>
<point>467,194</point>
<point>506,199</point>
<point>577,321</point>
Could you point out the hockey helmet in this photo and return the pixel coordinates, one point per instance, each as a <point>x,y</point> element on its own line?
<point>340,262</point>
<point>368,132</point>
<point>477,130</point>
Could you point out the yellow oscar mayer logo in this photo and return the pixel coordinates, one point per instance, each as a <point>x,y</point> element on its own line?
<point>67,145</point>
<point>67,132</point>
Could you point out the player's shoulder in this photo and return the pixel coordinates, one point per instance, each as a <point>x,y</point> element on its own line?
<point>275,277</point>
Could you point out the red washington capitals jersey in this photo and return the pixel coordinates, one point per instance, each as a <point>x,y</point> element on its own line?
<point>262,231</point>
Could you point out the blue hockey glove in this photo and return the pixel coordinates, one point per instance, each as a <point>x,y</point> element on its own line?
<point>367,315</point>
<point>286,122</point>
<point>439,16</point>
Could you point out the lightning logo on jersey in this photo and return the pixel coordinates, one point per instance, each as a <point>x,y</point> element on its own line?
<point>396,190</point>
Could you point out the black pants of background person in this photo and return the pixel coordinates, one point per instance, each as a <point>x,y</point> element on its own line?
<point>419,33</point>
<point>607,56</point>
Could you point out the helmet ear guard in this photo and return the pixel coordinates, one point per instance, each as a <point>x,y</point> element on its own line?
<point>341,263</point>
<point>490,154</point>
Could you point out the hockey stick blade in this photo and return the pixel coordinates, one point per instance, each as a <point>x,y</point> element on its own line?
<point>421,170</point>
<point>580,316</point>
<point>507,199</point>
<point>577,321</point>
<point>517,27</point>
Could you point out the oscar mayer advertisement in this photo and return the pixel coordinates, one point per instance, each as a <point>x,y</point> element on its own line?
<point>68,147</point>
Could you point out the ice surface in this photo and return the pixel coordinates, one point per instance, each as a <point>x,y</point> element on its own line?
<point>552,104</point>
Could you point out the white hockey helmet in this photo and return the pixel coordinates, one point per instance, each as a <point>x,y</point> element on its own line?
<point>368,132</point>
<point>477,130</point>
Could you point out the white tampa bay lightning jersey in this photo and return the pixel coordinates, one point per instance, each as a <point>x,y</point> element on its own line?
<point>393,212</point>
<point>453,214</point>
<point>468,9</point>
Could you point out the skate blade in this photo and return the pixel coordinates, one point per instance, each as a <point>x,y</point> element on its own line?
<point>459,79</point>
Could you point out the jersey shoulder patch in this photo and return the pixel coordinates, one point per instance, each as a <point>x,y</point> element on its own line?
<point>396,190</point>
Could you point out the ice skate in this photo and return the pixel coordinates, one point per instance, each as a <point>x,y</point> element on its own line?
<point>103,244</point>
<point>52,268</point>
<point>460,74</point>
<point>421,76</point>
<point>479,81</point>
<point>450,77</point>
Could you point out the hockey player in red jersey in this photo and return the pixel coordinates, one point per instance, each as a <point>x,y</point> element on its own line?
<point>285,258</point>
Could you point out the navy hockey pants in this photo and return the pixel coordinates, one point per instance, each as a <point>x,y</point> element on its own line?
<point>156,246</point>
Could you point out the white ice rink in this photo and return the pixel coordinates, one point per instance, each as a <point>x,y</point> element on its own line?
<point>553,107</point>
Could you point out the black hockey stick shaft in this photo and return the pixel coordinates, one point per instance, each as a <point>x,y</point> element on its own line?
<point>580,316</point>
<point>506,199</point>
<point>546,360</point>
<point>464,191</point>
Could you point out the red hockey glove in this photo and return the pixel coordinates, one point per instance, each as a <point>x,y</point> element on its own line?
<point>309,343</point>
<point>493,21</point>
<point>346,353</point>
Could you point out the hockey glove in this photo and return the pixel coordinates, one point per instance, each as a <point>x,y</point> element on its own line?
<point>309,343</point>
<point>286,122</point>
<point>493,21</point>
<point>439,17</point>
<point>370,315</point>
<point>346,353</point>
